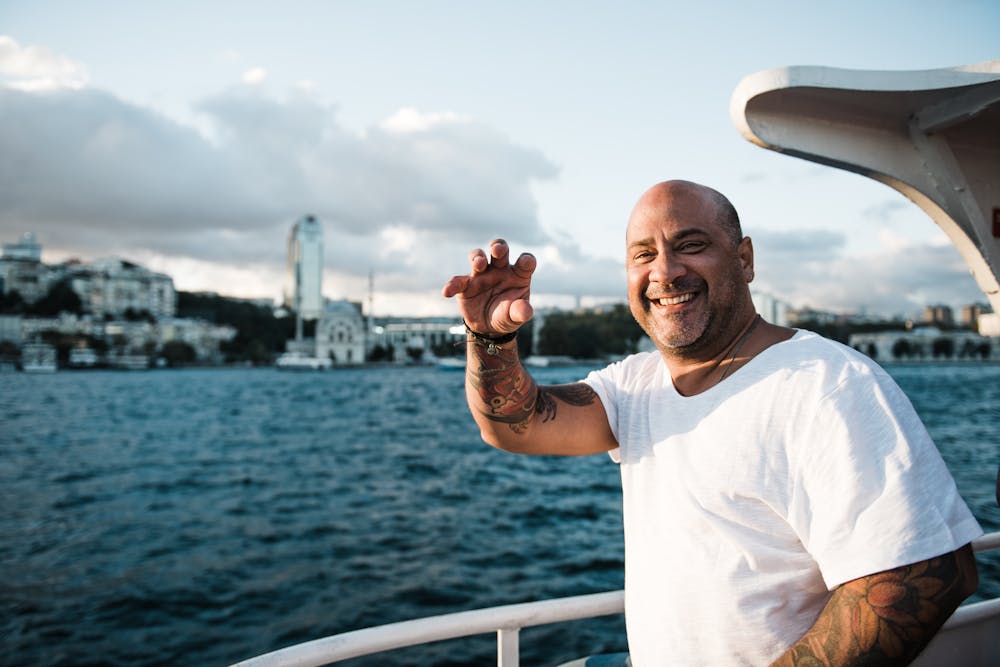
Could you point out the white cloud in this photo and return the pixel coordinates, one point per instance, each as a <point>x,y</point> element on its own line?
<point>94,175</point>
<point>37,68</point>
<point>406,199</point>
<point>409,119</point>
<point>899,279</point>
<point>254,76</point>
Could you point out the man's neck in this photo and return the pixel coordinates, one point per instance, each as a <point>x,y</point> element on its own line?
<point>693,376</point>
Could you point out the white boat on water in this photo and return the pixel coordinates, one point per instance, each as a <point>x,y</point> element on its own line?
<point>294,361</point>
<point>451,363</point>
<point>83,357</point>
<point>548,361</point>
<point>38,358</point>
<point>932,135</point>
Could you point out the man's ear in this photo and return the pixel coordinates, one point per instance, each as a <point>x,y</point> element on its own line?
<point>745,253</point>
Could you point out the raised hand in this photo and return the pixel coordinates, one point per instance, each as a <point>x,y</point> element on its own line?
<point>493,298</point>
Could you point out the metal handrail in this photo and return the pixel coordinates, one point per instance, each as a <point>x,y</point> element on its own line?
<point>507,621</point>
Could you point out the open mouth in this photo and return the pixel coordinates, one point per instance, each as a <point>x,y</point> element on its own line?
<point>675,300</point>
<point>672,302</point>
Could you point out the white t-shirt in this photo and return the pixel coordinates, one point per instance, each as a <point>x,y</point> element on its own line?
<point>746,504</point>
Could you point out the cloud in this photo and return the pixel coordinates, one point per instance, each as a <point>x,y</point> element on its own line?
<point>885,211</point>
<point>408,120</point>
<point>254,76</point>
<point>37,68</point>
<point>94,175</point>
<point>805,246</point>
<point>808,269</point>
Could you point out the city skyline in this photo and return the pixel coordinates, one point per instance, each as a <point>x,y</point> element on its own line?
<point>541,124</point>
<point>773,309</point>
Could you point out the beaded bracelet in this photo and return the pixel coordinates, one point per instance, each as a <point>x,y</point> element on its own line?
<point>492,343</point>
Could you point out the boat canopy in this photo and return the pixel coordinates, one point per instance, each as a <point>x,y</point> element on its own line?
<point>933,135</point>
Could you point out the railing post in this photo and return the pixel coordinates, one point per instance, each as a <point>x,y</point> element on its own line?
<point>508,647</point>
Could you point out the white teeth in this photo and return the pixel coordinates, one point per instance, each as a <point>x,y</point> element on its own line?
<point>673,301</point>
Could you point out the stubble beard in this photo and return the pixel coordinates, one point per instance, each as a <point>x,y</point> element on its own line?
<point>687,334</point>
<point>680,334</point>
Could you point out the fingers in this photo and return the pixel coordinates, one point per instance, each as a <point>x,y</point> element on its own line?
<point>500,253</point>
<point>478,261</point>
<point>525,265</point>
<point>456,285</point>
<point>499,257</point>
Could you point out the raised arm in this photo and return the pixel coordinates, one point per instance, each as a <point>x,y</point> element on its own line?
<point>889,617</point>
<point>513,412</point>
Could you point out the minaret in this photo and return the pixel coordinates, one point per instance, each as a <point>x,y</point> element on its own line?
<point>371,301</point>
<point>305,271</point>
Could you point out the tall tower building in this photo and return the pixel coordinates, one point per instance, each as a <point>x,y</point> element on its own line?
<point>305,268</point>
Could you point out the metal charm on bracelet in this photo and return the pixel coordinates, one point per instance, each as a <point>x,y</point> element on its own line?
<point>492,343</point>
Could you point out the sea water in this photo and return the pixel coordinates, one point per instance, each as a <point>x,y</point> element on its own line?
<point>200,517</point>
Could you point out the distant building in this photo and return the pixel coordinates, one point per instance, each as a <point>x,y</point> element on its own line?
<point>414,337</point>
<point>29,278</point>
<point>925,344</point>
<point>305,268</point>
<point>971,314</point>
<point>112,287</point>
<point>340,333</point>
<point>126,307</point>
<point>22,271</point>
<point>205,338</point>
<point>27,247</point>
<point>770,308</point>
<point>799,316</point>
<point>939,316</point>
<point>107,288</point>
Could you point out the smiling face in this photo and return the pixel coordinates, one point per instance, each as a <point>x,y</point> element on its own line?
<point>688,272</point>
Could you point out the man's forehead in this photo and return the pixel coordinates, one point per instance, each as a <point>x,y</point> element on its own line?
<point>647,236</point>
<point>671,218</point>
<point>673,208</point>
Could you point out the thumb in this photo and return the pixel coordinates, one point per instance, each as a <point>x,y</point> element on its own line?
<point>521,311</point>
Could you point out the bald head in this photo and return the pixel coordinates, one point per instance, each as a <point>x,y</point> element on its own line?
<point>684,199</point>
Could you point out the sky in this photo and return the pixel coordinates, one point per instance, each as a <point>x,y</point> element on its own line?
<point>189,136</point>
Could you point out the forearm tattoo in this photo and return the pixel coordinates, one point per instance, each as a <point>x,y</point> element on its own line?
<point>887,618</point>
<point>509,393</point>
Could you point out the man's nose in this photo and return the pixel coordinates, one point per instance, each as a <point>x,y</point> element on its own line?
<point>666,268</point>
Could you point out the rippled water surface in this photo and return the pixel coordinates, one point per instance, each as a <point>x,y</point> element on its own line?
<point>200,517</point>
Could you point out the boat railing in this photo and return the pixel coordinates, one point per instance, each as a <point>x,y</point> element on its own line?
<point>507,621</point>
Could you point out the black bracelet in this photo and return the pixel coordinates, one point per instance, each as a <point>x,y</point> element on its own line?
<point>492,343</point>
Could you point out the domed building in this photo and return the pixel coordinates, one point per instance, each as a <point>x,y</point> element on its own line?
<point>340,333</point>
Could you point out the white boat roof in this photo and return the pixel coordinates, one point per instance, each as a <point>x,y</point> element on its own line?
<point>933,135</point>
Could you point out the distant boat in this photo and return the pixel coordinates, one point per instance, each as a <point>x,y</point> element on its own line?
<point>38,358</point>
<point>547,361</point>
<point>451,363</point>
<point>294,361</point>
<point>129,362</point>
<point>82,357</point>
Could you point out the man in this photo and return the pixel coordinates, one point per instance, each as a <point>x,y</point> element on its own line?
<point>782,501</point>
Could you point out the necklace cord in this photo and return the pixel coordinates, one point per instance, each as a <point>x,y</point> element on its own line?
<point>739,345</point>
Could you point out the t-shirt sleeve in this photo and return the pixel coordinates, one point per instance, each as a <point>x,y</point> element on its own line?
<point>870,491</point>
<point>605,383</point>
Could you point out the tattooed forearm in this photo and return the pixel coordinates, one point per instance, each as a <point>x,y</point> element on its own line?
<point>886,618</point>
<point>509,394</point>
<point>506,390</point>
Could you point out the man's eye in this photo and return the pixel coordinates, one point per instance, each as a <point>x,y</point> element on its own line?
<point>643,256</point>
<point>691,246</point>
